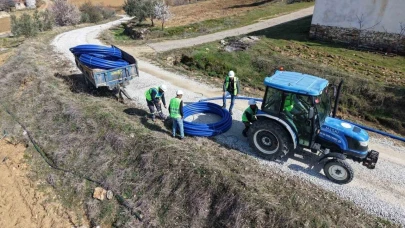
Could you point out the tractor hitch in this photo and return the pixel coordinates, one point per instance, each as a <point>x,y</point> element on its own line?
<point>371,160</point>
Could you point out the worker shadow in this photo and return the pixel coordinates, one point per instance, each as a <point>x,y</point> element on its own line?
<point>159,125</point>
<point>77,84</point>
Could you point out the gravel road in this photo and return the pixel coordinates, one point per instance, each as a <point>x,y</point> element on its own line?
<point>380,191</point>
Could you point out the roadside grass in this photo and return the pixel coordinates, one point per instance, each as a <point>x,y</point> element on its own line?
<point>197,183</point>
<point>374,83</point>
<point>269,10</point>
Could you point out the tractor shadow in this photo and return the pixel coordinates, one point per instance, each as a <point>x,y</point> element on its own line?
<point>159,125</point>
<point>77,84</point>
<point>304,162</point>
<point>299,161</point>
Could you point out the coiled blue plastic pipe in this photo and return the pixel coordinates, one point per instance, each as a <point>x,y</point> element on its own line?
<point>97,56</point>
<point>206,130</point>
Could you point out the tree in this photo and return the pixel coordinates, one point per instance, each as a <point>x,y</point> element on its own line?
<point>141,9</point>
<point>65,13</point>
<point>135,8</point>
<point>162,12</point>
<point>149,6</point>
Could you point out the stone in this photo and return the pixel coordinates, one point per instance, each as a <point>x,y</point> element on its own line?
<point>109,194</point>
<point>99,193</point>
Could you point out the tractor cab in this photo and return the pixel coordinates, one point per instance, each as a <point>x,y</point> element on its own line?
<point>296,114</point>
<point>301,101</point>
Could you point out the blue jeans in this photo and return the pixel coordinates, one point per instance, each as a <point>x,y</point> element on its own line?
<point>232,100</point>
<point>178,122</point>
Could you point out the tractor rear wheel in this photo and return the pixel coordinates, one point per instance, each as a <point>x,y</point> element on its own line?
<point>270,140</point>
<point>338,171</point>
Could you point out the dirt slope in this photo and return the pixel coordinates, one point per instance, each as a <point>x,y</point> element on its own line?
<point>21,205</point>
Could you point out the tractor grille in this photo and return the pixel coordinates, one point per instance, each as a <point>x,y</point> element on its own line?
<point>355,145</point>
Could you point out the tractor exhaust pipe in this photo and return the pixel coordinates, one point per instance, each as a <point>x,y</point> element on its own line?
<point>335,107</point>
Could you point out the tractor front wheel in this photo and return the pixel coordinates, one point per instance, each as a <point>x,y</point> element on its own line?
<point>338,171</point>
<point>269,139</point>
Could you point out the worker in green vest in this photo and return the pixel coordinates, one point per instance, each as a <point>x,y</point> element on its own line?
<point>154,97</point>
<point>231,87</point>
<point>249,116</point>
<point>176,113</point>
<point>289,102</point>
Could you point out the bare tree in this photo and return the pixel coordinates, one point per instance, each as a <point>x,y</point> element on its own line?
<point>361,22</point>
<point>162,12</point>
<point>65,13</point>
<point>401,34</point>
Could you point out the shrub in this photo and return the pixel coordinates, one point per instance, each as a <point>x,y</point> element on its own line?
<point>29,26</point>
<point>93,14</point>
<point>107,12</point>
<point>90,12</point>
<point>6,4</point>
<point>65,13</point>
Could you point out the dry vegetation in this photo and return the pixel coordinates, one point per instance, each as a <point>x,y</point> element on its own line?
<point>195,184</point>
<point>114,3</point>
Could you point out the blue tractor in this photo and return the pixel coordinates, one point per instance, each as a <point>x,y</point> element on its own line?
<point>296,114</point>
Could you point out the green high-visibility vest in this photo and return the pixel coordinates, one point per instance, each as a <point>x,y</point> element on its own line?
<point>250,111</point>
<point>235,80</point>
<point>289,103</point>
<point>175,107</point>
<point>148,93</point>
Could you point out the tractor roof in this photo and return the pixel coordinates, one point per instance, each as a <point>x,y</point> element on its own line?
<point>296,83</point>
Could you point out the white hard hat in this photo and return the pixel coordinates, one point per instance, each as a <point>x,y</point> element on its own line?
<point>179,92</point>
<point>252,102</point>
<point>231,74</point>
<point>163,87</point>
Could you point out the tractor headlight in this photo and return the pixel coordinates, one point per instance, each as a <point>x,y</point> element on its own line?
<point>364,143</point>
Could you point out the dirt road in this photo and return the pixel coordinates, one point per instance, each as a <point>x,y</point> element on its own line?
<point>380,191</point>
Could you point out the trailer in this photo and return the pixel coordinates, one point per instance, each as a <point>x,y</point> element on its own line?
<point>114,79</point>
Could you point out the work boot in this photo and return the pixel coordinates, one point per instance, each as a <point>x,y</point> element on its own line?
<point>244,133</point>
<point>230,112</point>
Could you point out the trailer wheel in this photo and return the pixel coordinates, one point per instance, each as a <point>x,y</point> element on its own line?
<point>338,171</point>
<point>269,139</point>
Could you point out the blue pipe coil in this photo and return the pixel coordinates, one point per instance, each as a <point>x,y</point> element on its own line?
<point>97,56</point>
<point>206,130</point>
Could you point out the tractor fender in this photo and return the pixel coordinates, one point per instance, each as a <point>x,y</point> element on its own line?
<point>283,123</point>
<point>332,155</point>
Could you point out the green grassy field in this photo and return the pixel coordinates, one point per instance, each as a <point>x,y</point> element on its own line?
<point>374,83</point>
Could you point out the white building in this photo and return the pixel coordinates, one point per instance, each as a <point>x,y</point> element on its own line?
<point>371,23</point>
<point>30,3</point>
